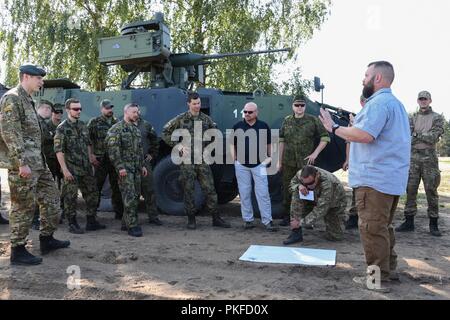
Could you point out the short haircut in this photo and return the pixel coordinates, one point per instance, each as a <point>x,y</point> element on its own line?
<point>192,96</point>
<point>386,69</point>
<point>70,101</point>
<point>42,102</point>
<point>130,105</point>
<point>308,171</point>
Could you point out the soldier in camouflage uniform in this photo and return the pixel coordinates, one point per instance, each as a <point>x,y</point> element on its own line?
<point>124,143</point>
<point>150,147</point>
<point>74,152</point>
<point>426,129</point>
<point>329,203</point>
<point>190,172</point>
<point>298,135</point>
<point>98,129</point>
<point>30,181</point>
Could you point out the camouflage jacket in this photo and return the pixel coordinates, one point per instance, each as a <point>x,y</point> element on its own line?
<point>72,139</point>
<point>48,135</point>
<point>20,130</point>
<point>426,139</point>
<point>329,193</point>
<point>98,129</point>
<point>187,121</point>
<point>300,135</point>
<point>124,143</point>
<point>150,143</point>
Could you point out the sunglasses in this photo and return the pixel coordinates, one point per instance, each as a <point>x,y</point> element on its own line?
<point>76,109</point>
<point>297,105</point>
<point>248,112</point>
<point>423,99</point>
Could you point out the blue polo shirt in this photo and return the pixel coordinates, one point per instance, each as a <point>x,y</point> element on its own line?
<point>383,164</point>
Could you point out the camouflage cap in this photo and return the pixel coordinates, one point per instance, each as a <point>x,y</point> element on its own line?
<point>299,98</point>
<point>32,70</point>
<point>424,94</point>
<point>106,104</point>
<point>58,107</point>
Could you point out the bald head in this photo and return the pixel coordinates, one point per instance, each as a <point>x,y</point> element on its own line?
<point>250,112</point>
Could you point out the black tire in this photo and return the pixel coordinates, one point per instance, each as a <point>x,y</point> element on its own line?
<point>168,190</point>
<point>276,197</point>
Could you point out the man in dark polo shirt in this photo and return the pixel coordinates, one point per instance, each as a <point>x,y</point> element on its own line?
<point>251,153</point>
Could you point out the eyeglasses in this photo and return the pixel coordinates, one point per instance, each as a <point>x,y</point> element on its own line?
<point>297,105</point>
<point>423,99</point>
<point>248,112</point>
<point>58,112</point>
<point>76,109</point>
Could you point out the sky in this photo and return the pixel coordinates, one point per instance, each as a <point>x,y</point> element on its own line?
<point>413,35</point>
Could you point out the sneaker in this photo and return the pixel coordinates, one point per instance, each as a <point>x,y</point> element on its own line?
<point>362,282</point>
<point>270,227</point>
<point>249,225</point>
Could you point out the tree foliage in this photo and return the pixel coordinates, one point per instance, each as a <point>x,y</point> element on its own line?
<point>62,36</point>
<point>443,146</point>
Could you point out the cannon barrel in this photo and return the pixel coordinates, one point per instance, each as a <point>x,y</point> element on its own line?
<point>193,59</point>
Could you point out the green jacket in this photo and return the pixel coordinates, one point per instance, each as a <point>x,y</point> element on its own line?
<point>72,139</point>
<point>300,136</point>
<point>98,130</point>
<point>124,143</point>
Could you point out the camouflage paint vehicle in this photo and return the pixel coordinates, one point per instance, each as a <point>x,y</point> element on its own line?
<point>145,47</point>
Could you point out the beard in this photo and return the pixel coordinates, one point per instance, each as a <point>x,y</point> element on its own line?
<point>369,88</point>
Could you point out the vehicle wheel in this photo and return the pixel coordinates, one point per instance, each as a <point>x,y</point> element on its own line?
<point>168,190</point>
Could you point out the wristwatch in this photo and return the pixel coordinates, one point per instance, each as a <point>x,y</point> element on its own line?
<point>335,127</point>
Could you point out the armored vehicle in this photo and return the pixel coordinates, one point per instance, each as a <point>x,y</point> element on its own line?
<point>145,47</point>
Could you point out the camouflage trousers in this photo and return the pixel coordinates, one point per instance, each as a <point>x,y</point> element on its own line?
<point>130,189</point>
<point>288,173</point>
<point>107,169</point>
<point>424,165</point>
<point>148,194</point>
<point>86,184</point>
<point>25,193</point>
<point>333,218</point>
<point>189,173</point>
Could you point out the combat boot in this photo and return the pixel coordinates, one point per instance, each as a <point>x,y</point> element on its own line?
<point>407,225</point>
<point>74,227</point>
<point>48,244</point>
<point>135,232</point>
<point>295,236</point>
<point>192,225</point>
<point>20,256</point>
<point>3,220</point>
<point>219,222</point>
<point>92,224</point>
<point>352,222</point>
<point>434,227</point>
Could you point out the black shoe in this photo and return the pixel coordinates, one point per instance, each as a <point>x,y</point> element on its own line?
<point>270,227</point>
<point>192,225</point>
<point>295,236</point>
<point>74,227</point>
<point>285,222</point>
<point>434,230</point>
<point>135,232</point>
<point>92,224</point>
<point>20,256</point>
<point>352,222</point>
<point>3,220</point>
<point>155,221</point>
<point>219,222</point>
<point>249,225</point>
<point>407,225</point>
<point>48,243</point>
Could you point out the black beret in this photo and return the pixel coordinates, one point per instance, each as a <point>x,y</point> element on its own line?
<point>32,70</point>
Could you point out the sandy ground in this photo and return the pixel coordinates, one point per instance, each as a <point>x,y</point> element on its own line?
<point>170,262</point>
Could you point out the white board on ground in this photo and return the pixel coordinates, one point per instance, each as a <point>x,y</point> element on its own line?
<point>286,255</point>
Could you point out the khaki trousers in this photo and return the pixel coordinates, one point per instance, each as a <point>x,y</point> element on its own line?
<point>376,212</point>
